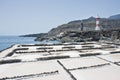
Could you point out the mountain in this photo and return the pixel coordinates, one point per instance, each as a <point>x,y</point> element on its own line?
<point>88,25</point>
<point>115,17</point>
<point>113,22</point>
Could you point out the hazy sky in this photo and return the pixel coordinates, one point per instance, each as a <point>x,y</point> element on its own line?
<point>37,16</point>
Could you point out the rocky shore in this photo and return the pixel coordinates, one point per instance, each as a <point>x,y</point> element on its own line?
<point>80,36</point>
<point>83,30</point>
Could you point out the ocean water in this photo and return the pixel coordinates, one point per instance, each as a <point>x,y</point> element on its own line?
<point>7,41</point>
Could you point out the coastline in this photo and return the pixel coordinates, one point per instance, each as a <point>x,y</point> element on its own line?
<point>6,51</point>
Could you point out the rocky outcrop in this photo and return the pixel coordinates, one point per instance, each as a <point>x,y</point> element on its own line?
<point>80,36</point>
<point>113,35</point>
<point>81,30</point>
<point>75,26</point>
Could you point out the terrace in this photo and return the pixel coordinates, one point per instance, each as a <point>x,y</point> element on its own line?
<point>68,61</point>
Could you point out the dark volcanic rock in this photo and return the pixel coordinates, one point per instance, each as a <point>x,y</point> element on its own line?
<point>81,36</point>
<point>82,30</point>
<point>88,25</point>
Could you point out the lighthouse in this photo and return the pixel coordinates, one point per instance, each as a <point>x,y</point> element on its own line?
<point>97,23</point>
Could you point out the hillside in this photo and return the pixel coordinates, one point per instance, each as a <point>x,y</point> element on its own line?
<point>115,17</point>
<point>113,22</point>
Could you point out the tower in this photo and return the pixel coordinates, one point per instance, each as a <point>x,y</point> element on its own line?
<point>81,26</point>
<point>97,23</point>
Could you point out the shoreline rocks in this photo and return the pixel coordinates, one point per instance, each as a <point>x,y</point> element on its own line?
<point>81,36</point>
<point>82,30</point>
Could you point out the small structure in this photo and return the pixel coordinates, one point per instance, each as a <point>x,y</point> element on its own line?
<point>81,26</point>
<point>97,23</point>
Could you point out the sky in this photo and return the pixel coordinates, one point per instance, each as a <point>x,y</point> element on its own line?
<point>19,17</point>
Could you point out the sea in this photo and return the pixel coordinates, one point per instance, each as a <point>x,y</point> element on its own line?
<point>7,41</point>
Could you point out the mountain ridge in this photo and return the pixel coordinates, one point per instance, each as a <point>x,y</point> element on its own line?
<point>115,17</point>
<point>88,25</point>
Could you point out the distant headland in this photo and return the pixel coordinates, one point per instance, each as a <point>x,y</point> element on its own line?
<point>83,30</point>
